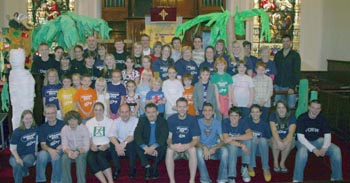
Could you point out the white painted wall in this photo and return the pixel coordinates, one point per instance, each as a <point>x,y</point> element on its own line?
<point>336,28</point>
<point>311,31</point>
<point>325,28</point>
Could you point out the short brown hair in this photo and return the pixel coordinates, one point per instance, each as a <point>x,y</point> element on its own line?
<point>187,76</point>
<point>72,115</point>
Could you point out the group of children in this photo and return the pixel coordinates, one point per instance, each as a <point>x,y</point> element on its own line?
<point>77,93</point>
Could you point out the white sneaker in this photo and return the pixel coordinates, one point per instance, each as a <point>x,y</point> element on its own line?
<point>231,181</point>
<point>245,174</point>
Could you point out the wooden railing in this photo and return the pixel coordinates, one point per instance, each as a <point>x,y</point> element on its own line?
<point>336,107</point>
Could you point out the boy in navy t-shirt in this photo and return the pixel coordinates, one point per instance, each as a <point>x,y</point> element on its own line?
<point>50,142</point>
<point>117,92</point>
<point>183,137</point>
<point>237,136</point>
<point>314,136</point>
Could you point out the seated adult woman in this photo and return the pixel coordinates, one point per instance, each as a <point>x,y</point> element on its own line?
<point>283,125</point>
<point>23,146</point>
<point>75,145</point>
<point>97,157</point>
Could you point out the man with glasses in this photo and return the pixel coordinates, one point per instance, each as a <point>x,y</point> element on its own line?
<point>50,143</point>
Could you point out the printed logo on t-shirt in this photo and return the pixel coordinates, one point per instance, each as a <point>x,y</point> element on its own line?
<point>312,130</point>
<point>52,95</point>
<point>189,98</point>
<point>182,131</point>
<point>29,139</point>
<point>114,98</point>
<point>99,131</point>
<point>42,71</point>
<point>67,96</point>
<point>119,61</point>
<point>207,131</point>
<point>257,134</point>
<point>282,131</point>
<point>54,139</point>
<point>86,97</point>
<point>222,86</point>
<point>191,68</point>
<point>234,134</point>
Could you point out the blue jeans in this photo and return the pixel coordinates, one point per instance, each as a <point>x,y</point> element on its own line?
<point>20,171</point>
<point>333,152</point>
<point>220,154</point>
<point>42,160</point>
<point>259,147</point>
<point>290,99</point>
<point>234,153</point>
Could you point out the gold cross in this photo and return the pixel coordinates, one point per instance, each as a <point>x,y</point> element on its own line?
<point>163,14</point>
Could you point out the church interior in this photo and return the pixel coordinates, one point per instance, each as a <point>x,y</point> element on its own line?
<point>320,31</point>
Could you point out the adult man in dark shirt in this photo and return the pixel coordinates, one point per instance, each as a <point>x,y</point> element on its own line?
<point>120,54</point>
<point>288,71</point>
<point>314,136</point>
<point>43,62</point>
<point>150,136</point>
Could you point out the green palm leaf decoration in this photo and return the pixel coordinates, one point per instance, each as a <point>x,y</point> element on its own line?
<point>69,29</point>
<point>240,17</point>
<point>219,20</point>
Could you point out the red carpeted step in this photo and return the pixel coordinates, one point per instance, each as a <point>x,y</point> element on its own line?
<point>317,169</point>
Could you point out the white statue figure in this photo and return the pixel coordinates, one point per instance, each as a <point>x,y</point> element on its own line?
<point>21,86</point>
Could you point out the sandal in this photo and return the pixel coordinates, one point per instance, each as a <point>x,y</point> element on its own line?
<point>284,170</point>
<point>251,172</point>
<point>267,175</point>
<point>276,169</point>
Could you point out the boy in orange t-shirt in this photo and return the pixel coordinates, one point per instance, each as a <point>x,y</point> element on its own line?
<point>85,98</point>
<point>188,93</point>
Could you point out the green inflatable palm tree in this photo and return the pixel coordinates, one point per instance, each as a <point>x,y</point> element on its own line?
<point>219,20</point>
<point>69,29</point>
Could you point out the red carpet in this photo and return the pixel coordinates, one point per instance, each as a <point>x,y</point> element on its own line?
<point>317,170</point>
